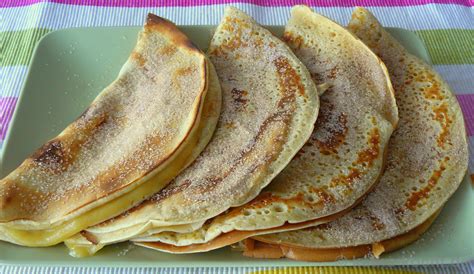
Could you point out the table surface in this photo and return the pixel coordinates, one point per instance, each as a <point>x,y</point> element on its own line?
<point>445,26</point>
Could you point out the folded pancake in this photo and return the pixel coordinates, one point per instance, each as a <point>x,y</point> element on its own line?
<point>427,159</point>
<point>270,105</point>
<point>138,134</point>
<point>341,161</point>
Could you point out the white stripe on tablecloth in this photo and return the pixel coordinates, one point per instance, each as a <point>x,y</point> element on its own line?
<point>459,77</point>
<point>45,15</point>
<point>11,80</point>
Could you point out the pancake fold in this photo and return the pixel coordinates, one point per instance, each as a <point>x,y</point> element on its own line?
<point>341,161</point>
<point>427,160</point>
<point>137,135</point>
<point>270,105</point>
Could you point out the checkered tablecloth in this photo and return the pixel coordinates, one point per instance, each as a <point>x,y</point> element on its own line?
<point>446,27</point>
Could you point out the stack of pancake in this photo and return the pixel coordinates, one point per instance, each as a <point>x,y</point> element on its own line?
<point>323,144</point>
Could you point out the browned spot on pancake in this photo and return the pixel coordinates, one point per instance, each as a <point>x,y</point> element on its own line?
<point>441,115</point>
<point>211,184</point>
<point>376,223</point>
<point>332,126</point>
<point>229,125</point>
<point>258,42</point>
<point>276,117</point>
<point>171,189</point>
<point>59,155</point>
<point>117,176</point>
<point>168,29</point>
<point>289,79</point>
<point>168,50</point>
<point>236,27</point>
<point>7,199</point>
<point>333,72</point>
<point>399,212</point>
<point>290,83</point>
<point>8,193</point>
<point>347,180</point>
<point>267,199</point>
<point>240,98</point>
<point>54,157</point>
<point>138,58</point>
<point>237,22</point>
<point>184,71</point>
<point>295,41</point>
<point>423,193</point>
<point>281,116</point>
<point>50,154</point>
<point>181,72</point>
<point>234,43</point>
<point>228,27</point>
<point>22,199</point>
<point>324,196</point>
<point>367,156</point>
<point>433,92</point>
<point>109,180</point>
<point>90,237</point>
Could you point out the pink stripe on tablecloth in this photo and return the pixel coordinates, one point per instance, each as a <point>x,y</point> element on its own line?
<point>185,3</point>
<point>467,105</point>
<point>7,106</point>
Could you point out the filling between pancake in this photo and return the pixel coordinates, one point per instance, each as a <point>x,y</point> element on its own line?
<point>59,233</point>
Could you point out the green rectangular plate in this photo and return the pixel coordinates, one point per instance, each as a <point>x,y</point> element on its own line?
<point>70,67</point>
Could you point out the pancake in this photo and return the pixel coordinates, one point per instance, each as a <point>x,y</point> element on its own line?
<point>427,160</point>
<point>341,161</point>
<point>270,105</point>
<point>138,134</point>
<point>259,249</point>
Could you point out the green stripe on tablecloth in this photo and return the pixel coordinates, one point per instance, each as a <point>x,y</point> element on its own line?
<point>446,46</point>
<point>17,47</point>
<point>449,46</point>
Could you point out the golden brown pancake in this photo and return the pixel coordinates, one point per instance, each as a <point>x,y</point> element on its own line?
<point>427,160</point>
<point>341,161</point>
<point>138,134</point>
<point>270,105</point>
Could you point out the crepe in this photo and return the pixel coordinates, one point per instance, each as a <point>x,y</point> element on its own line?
<point>138,134</point>
<point>427,160</point>
<point>341,161</point>
<point>269,108</point>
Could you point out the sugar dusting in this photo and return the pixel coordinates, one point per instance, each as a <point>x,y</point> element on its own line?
<point>414,157</point>
<point>265,108</point>
<point>247,138</point>
<point>327,175</point>
<point>129,129</point>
